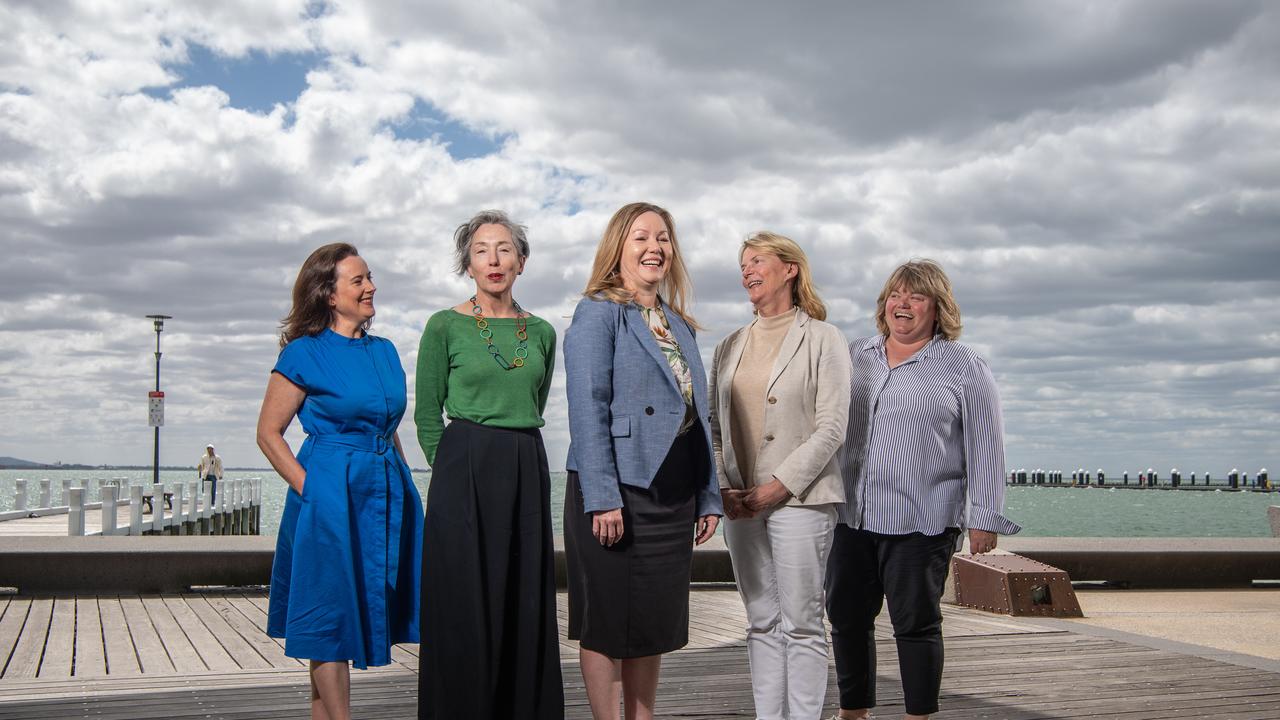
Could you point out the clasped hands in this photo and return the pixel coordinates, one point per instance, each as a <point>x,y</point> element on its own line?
<point>607,527</point>
<point>745,504</point>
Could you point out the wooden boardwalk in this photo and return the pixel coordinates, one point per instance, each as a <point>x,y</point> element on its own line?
<point>206,655</point>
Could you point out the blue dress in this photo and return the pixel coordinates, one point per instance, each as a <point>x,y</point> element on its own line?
<point>345,581</point>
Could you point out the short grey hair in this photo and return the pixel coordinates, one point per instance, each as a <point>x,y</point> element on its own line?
<point>466,232</point>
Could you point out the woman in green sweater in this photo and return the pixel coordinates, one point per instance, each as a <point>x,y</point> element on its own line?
<point>489,638</point>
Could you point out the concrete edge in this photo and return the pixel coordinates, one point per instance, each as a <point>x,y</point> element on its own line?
<point>64,564</point>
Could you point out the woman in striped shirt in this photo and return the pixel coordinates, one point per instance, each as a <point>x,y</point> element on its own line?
<point>924,441</point>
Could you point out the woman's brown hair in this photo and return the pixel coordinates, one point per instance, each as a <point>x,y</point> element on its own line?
<point>315,285</point>
<point>606,278</point>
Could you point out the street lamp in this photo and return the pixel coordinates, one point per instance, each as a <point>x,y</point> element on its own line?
<point>157,399</point>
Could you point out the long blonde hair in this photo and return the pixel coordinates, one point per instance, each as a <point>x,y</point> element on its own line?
<point>606,277</point>
<point>926,277</point>
<point>803,293</point>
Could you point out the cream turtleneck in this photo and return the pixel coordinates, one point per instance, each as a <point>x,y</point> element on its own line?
<point>749,389</point>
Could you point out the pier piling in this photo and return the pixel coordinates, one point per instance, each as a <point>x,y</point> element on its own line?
<point>108,495</point>
<point>75,511</point>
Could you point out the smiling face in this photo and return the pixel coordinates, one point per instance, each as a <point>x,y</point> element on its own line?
<point>768,280</point>
<point>495,261</point>
<point>910,315</point>
<point>352,298</point>
<point>646,253</point>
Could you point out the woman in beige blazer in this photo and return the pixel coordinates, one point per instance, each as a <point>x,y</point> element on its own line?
<point>779,391</point>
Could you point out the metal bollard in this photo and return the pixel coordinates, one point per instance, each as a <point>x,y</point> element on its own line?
<point>1264,482</point>
<point>1175,477</point>
<point>1102,478</point>
<point>75,512</point>
<point>1233,479</point>
<point>1126,477</point>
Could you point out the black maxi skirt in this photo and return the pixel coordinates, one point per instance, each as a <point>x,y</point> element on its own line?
<point>631,599</point>
<point>489,639</point>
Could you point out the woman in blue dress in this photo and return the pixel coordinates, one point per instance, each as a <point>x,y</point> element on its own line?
<point>345,583</point>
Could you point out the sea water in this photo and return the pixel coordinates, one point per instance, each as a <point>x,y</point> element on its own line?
<point>1042,511</point>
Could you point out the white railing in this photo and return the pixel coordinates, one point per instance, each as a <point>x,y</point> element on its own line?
<point>236,511</point>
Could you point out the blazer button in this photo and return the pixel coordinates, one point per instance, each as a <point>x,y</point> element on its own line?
<point>773,401</point>
<point>648,410</point>
<point>768,438</point>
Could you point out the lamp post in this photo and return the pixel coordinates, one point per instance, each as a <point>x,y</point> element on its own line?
<point>157,420</point>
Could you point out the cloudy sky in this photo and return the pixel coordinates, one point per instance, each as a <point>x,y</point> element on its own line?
<point>1100,179</point>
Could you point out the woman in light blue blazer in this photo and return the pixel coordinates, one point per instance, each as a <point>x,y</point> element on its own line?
<point>642,486</point>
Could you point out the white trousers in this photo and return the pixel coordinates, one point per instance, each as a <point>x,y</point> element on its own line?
<point>780,563</point>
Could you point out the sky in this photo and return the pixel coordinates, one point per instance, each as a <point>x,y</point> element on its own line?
<point>1101,181</point>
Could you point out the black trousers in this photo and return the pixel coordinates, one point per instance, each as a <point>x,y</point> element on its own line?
<point>490,648</point>
<point>863,570</point>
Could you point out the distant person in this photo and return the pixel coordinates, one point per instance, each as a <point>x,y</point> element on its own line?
<point>641,488</point>
<point>344,585</point>
<point>209,470</point>
<point>924,442</point>
<point>490,646</point>
<point>779,394</point>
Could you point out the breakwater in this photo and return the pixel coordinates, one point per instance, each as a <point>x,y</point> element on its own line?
<point>1150,478</point>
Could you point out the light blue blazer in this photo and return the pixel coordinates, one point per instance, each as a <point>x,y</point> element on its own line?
<point>624,405</point>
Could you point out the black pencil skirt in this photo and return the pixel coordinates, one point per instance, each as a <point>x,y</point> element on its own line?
<point>489,640</point>
<point>632,599</point>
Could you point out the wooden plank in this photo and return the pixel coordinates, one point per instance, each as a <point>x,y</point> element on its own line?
<point>256,637</point>
<point>243,653</point>
<point>152,654</point>
<point>211,652</point>
<point>90,647</point>
<point>180,650</point>
<point>122,657</point>
<point>59,649</point>
<point>25,660</point>
<point>1015,672</point>
<point>15,616</point>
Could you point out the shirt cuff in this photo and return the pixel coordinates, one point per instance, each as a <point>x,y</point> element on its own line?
<point>981,518</point>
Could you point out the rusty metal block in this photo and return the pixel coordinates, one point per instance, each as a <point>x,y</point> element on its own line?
<point>1013,585</point>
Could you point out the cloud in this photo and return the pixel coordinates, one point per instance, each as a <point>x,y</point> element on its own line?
<point>1101,180</point>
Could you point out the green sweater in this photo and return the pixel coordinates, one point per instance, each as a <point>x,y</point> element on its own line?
<point>457,375</point>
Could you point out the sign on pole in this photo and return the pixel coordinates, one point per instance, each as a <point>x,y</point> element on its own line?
<point>155,413</point>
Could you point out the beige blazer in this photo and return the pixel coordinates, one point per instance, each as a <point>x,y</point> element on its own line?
<point>806,411</point>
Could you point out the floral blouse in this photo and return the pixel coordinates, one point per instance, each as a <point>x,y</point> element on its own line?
<point>661,330</point>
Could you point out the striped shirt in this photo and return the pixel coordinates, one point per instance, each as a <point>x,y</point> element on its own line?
<point>924,441</point>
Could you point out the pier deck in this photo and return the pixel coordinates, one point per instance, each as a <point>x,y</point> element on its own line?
<point>206,655</point>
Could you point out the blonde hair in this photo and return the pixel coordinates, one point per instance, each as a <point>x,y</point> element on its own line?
<point>926,277</point>
<point>803,293</point>
<point>606,277</point>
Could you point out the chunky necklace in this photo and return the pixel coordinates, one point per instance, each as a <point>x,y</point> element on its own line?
<point>486,332</point>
